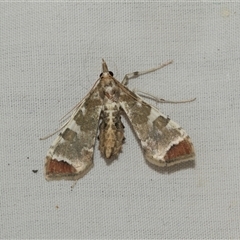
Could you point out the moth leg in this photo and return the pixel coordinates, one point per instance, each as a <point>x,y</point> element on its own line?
<point>160,100</point>
<point>139,73</point>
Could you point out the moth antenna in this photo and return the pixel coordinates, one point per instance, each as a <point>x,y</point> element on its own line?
<point>48,136</point>
<point>75,107</point>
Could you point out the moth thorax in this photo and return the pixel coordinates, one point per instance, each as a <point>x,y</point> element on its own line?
<point>111,133</point>
<point>110,90</point>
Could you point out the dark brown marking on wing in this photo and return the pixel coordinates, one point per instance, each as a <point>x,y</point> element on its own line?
<point>87,119</point>
<point>162,134</point>
<point>68,135</point>
<point>161,122</point>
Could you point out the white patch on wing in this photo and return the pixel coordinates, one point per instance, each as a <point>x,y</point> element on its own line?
<point>74,127</point>
<point>83,110</point>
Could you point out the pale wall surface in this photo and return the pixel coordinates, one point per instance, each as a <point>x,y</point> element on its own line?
<point>50,58</point>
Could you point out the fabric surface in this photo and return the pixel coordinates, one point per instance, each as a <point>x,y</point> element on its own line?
<point>50,58</point>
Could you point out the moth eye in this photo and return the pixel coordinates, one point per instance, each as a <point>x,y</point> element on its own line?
<point>111,73</point>
<point>101,75</point>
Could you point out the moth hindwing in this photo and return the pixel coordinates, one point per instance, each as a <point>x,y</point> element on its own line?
<point>163,141</point>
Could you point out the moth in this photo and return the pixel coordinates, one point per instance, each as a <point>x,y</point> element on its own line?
<point>163,141</point>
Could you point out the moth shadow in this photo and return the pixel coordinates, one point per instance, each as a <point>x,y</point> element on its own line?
<point>172,169</point>
<point>110,160</point>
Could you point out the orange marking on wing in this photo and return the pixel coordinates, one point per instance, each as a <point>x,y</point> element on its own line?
<point>55,167</point>
<point>184,148</point>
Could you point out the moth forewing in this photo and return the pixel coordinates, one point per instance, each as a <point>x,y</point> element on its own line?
<point>71,154</point>
<point>164,142</point>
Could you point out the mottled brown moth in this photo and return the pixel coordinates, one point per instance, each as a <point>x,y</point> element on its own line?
<point>163,141</point>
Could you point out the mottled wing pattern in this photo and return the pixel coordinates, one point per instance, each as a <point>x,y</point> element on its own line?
<point>164,142</point>
<point>71,154</point>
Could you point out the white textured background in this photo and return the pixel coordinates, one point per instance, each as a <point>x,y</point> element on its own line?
<point>51,56</point>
